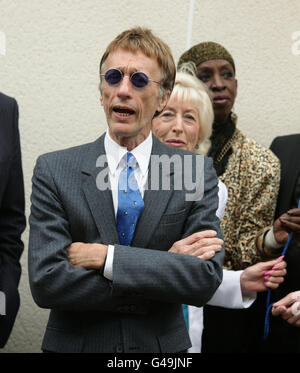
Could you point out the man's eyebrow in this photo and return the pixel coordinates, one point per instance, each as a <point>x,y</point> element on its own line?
<point>122,68</point>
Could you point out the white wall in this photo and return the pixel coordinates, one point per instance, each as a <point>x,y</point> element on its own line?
<point>53,50</point>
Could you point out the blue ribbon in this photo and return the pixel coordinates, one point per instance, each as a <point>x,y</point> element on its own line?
<point>270,305</point>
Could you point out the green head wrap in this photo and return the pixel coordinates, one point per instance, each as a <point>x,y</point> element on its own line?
<point>206,51</point>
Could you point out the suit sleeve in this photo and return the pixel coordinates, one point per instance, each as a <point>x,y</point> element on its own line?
<point>175,278</point>
<point>12,225</point>
<point>54,282</point>
<point>229,293</point>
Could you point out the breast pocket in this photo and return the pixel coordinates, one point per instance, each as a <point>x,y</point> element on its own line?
<point>173,218</point>
<point>170,229</point>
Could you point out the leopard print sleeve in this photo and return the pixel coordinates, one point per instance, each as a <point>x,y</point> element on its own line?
<point>252,178</point>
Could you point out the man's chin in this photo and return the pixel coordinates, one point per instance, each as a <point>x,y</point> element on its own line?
<point>123,132</point>
<point>118,133</point>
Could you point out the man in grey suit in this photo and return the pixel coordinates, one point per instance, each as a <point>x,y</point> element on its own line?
<point>107,294</point>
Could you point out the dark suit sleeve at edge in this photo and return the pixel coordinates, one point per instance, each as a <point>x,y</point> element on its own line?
<point>12,225</point>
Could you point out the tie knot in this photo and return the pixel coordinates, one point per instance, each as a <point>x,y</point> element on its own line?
<point>130,160</point>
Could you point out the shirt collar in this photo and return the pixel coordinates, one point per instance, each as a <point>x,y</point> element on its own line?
<point>115,153</point>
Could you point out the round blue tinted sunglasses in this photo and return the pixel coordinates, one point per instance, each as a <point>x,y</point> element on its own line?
<point>138,78</point>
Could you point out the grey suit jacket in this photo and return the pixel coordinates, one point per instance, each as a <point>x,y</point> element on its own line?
<point>140,310</point>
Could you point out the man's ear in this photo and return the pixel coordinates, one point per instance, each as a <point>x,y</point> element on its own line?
<point>100,90</point>
<point>163,102</point>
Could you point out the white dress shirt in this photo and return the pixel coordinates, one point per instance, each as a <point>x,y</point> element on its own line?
<point>223,196</point>
<point>116,162</point>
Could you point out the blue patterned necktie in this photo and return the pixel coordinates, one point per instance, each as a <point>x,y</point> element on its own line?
<point>130,202</point>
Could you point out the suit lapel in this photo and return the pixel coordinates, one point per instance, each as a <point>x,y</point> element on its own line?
<point>101,204</point>
<point>155,203</point>
<point>99,201</point>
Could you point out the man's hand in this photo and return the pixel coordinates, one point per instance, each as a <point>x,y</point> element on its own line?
<point>288,308</point>
<point>286,223</point>
<point>87,255</point>
<point>203,245</point>
<point>263,275</point>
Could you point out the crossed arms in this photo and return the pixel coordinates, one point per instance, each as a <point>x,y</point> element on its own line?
<point>139,273</point>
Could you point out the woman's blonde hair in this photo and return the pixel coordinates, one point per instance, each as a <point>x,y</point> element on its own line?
<point>188,87</point>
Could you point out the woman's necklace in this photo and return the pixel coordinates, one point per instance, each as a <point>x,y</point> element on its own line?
<point>226,147</point>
